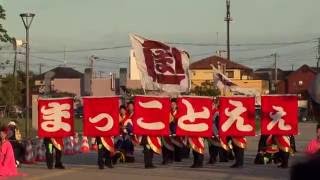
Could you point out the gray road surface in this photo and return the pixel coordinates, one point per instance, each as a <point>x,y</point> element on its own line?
<point>83,166</point>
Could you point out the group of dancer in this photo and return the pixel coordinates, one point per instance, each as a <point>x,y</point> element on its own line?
<point>112,150</point>
<point>121,148</point>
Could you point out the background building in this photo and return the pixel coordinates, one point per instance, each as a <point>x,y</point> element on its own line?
<point>201,71</point>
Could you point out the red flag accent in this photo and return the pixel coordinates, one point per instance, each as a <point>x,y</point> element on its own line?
<point>271,146</point>
<point>283,143</point>
<point>151,116</point>
<point>58,143</point>
<point>194,116</point>
<point>178,141</point>
<point>155,143</point>
<point>100,116</point>
<point>108,143</point>
<point>55,117</point>
<point>168,143</point>
<point>136,140</point>
<point>224,143</point>
<point>279,115</point>
<point>237,116</point>
<point>241,142</point>
<point>197,144</point>
<point>128,119</point>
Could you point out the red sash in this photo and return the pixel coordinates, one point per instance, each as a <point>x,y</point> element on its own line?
<point>271,146</point>
<point>155,143</point>
<point>283,143</point>
<point>108,143</point>
<point>173,116</point>
<point>127,120</point>
<point>224,143</point>
<point>168,143</point>
<point>241,142</point>
<point>58,143</point>
<point>197,144</point>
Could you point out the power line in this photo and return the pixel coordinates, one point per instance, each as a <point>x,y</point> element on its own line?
<point>244,44</point>
<point>177,43</point>
<point>83,50</point>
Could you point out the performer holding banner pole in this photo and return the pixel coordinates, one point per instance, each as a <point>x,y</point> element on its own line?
<point>218,146</point>
<point>284,146</point>
<point>101,120</point>
<point>169,149</point>
<point>197,145</point>
<point>105,151</point>
<point>55,121</point>
<point>176,140</point>
<point>127,139</point>
<point>238,144</point>
<point>237,121</point>
<point>54,145</point>
<point>280,120</point>
<point>151,121</point>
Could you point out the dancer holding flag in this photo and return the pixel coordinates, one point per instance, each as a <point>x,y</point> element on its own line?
<point>162,68</point>
<point>55,121</point>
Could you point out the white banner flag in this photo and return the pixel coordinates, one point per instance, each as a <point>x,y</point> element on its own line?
<point>161,66</point>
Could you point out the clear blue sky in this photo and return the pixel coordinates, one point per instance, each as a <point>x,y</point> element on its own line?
<point>85,24</point>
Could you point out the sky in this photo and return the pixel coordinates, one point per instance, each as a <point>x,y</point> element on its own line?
<point>91,24</point>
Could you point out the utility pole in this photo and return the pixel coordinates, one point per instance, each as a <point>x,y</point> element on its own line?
<point>40,68</point>
<point>14,43</point>
<point>228,19</point>
<point>318,61</point>
<point>27,19</point>
<point>91,65</point>
<point>19,65</point>
<point>91,61</point>
<point>275,71</point>
<point>64,56</point>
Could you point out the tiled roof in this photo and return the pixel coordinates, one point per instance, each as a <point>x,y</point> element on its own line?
<point>214,60</point>
<point>62,73</point>
<point>269,74</point>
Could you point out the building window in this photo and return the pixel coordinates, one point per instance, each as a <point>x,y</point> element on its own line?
<point>230,74</point>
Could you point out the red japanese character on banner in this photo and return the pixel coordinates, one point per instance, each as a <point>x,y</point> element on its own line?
<point>237,116</point>
<point>55,117</point>
<point>279,115</point>
<point>164,61</point>
<point>194,117</point>
<point>151,116</point>
<point>101,116</point>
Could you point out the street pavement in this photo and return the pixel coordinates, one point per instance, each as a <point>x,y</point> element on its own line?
<point>83,166</point>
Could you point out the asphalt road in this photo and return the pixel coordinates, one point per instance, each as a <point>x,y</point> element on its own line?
<point>83,166</point>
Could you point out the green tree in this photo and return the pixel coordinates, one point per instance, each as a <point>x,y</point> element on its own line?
<point>9,93</point>
<point>207,88</point>
<point>13,92</point>
<point>132,92</point>
<point>4,37</point>
<point>57,94</point>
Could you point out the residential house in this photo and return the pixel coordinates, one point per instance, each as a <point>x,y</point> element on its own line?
<point>63,79</point>
<point>201,71</point>
<point>268,74</point>
<point>298,82</point>
<point>66,79</point>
